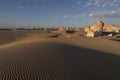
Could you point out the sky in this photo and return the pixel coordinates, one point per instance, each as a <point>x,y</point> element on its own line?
<point>73,13</point>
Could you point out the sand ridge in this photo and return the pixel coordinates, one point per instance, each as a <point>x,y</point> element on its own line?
<point>99,44</point>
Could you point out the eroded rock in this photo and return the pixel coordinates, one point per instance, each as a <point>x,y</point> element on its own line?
<point>95,30</point>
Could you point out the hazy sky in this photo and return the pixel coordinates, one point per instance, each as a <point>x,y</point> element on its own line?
<point>59,12</point>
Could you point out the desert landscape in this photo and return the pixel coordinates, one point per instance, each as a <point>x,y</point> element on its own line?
<point>89,53</point>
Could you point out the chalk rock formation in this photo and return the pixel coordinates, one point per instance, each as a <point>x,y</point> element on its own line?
<point>95,30</point>
<point>111,28</point>
<point>87,29</point>
<point>98,26</point>
<point>90,33</point>
<point>61,30</point>
<point>110,35</point>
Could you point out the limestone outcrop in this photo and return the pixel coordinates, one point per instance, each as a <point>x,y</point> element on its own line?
<point>95,30</point>
<point>90,33</point>
<point>61,31</point>
<point>111,28</point>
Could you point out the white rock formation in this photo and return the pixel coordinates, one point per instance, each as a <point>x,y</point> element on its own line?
<point>98,27</point>
<point>90,33</point>
<point>61,30</point>
<point>111,28</point>
<point>110,35</point>
<point>95,30</point>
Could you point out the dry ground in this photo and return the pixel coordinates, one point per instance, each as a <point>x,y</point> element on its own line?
<point>35,55</point>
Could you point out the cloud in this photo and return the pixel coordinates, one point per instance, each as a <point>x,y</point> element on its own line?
<point>78,2</point>
<point>103,3</point>
<point>114,4</point>
<point>105,14</point>
<point>77,16</point>
<point>65,16</point>
<point>98,8</point>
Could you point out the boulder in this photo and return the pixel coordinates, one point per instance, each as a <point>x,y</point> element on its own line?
<point>90,33</point>
<point>110,35</point>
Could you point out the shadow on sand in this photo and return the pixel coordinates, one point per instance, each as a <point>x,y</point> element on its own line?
<point>74,62</point>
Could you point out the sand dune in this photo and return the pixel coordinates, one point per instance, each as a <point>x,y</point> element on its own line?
<point>16,35</point>
<point>61,58</point>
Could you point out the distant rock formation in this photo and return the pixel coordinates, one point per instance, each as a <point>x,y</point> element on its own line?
<point>66,30</point>
<point>95,30</point>
<point>61,30</point>
<point>111,28</point>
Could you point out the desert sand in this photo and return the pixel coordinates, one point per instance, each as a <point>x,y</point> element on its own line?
<point>36,55</point>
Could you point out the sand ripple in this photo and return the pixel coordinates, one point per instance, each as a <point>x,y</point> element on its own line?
<point>25,72</point>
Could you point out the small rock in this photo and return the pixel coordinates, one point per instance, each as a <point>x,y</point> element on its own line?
<point>110,35</point>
